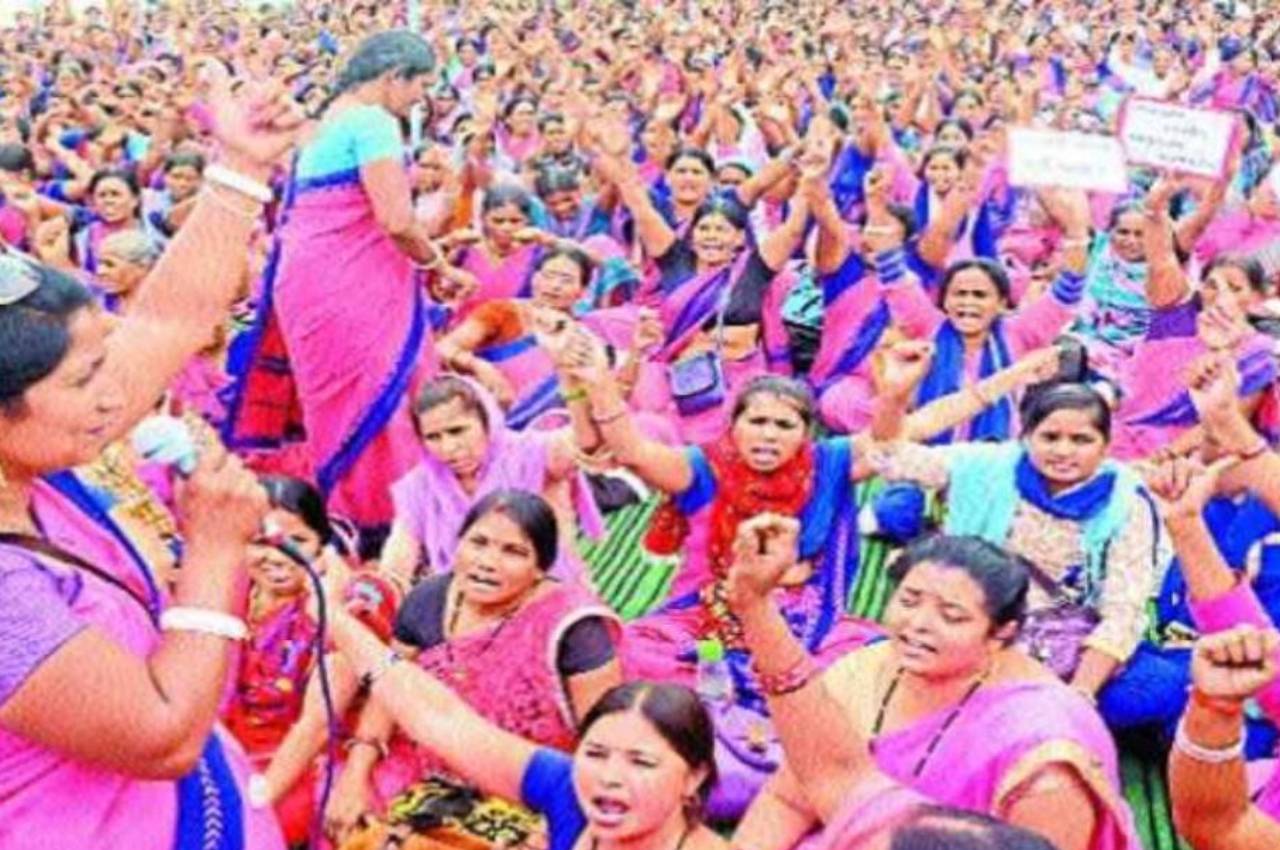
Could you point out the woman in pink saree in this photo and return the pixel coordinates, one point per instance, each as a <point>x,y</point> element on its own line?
<point>342,333</point>
<point>86,623</point>
<point>942,712</point>
<point>1156,407</point>
<point>720,308</point>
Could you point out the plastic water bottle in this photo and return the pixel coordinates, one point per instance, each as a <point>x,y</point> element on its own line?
<point>715,682</point>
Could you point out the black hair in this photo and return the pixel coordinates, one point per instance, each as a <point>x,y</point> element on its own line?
<point>944,828</point>
<point>444,389</point>
<point>677,714</point>
<point>1122,209</point>
<point>960,124</point>
<point>300,499</point>
<point>124,175</point>
<point>958,156</point>
<point>993,269</point>
<point>788,388</point>
<point>578,257</point>
<point>189,159</point>
<point>510,108</point>
<point>1003,576</point>
<point>507,194</point>
<point>724,204</point>
<point>17,159</point>
<point>1040,405</point>
<point>549,118</point>
<point>35,331</point>
<point>529,511</point>
<point>402,51</point>
<point>906,216</point>
<point>552,180</point>
<point>1250,267</point>
<point>704,159</point>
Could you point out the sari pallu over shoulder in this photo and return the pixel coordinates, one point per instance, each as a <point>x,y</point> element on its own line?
<point>1004,737</point>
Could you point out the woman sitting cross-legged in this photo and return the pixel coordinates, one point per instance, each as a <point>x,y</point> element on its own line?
<point>526,652</point>
<point>637,778</point>
<point>944,711</point>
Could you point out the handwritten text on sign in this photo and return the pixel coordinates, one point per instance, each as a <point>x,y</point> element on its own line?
<point>1187,141</point>
<point>1045,158</point>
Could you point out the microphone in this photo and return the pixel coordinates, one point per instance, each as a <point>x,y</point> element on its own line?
<point>166,440</point>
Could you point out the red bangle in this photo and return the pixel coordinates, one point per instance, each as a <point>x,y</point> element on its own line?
<point>788,681</point>
<point>1217,705</point>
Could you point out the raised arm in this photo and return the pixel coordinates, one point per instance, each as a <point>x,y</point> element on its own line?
<point>661,466</point>
<point>1208,785</point>
<point>1167,283</point>
<point>191,288</point>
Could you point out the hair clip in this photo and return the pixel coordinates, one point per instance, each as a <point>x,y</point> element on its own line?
<point>18,278</point>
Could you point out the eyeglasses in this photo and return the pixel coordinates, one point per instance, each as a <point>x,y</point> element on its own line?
<point>18,278</point>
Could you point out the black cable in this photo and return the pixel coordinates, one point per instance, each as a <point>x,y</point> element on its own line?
<point>293,553</point>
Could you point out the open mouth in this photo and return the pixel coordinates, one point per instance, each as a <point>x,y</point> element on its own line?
<point>764,455</point>
<point>608,812</point>
<point>915,648</point>
<point>482,582</point>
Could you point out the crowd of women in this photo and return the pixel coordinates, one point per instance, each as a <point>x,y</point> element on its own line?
<point>339,340</point>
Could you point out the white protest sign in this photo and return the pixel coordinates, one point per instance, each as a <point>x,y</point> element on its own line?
<point>1048,158</point>
<point>1194,142</point>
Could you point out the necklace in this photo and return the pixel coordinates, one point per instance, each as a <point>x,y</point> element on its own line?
<point>595,842</point>
<point>942,730</point>
<point>455,671</point>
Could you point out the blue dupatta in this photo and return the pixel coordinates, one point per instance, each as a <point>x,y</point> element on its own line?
<point>946,376</point>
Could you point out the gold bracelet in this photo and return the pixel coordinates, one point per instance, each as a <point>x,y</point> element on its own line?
<point>575,394</point>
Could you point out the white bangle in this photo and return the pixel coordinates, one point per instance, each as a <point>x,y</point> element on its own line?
<point>1206,755</point>
<point>258,792</point>
<point>237,182</point>
<point>204,621</point>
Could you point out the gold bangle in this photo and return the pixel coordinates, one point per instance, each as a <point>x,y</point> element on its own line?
<point>575,394</point>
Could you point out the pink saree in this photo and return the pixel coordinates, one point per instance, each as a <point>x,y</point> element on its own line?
<point>515,685</point>
<point>685,312</point>
<point>343,340</point>
<point>1003,737</point>
<point>431,504</point>
<point>51,800</point>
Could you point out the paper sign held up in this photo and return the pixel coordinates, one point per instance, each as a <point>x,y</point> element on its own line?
<point>1194,142</point>
<point>1047,158</point>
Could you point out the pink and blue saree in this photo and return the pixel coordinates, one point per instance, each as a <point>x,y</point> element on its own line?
<point>342,336</point>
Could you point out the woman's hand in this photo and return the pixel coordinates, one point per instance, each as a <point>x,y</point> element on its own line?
<point>257,125</point>
<point>1236,664</point>
<point>351,802</point>
<point>222,504</point>
<point>903,366</point>
<point>492,379</point>
<point>583,360</point>
<point>52,241</point>
<point>1039,366</point>
<point>1185,485</point>
<point>764,549</point>
<point>1220,329</point>
<point>648,334</point>
<point>1213,382</point>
